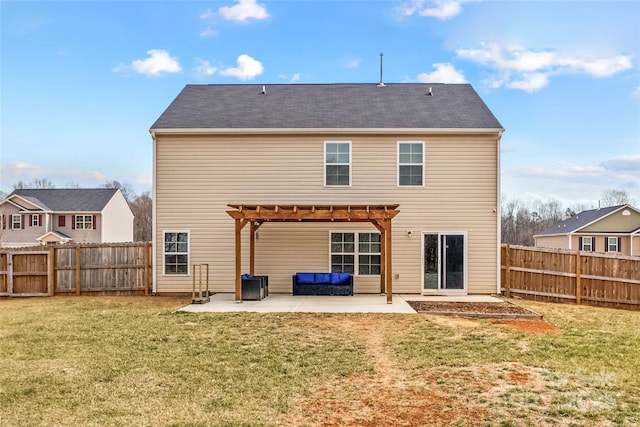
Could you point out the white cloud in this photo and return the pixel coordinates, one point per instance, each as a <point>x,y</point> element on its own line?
<point>444,73</point>
<point>204,68</point>
<point>208,15</point>
<point>208,32</point>
<point>243,11</point>
<point>628,163</point>
<point>247,68</point>
<point>157,63</point>
<point>439,9</point>
<point>530,82</point>
<point>529,70</point>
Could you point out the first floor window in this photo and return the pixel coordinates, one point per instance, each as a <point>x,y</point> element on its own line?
<point>369,253</point>
<point>586,244</point>
<point>612,244</point>
<point>16,222</point>
<point>176,252</point>
<point>346,248</point>
<point>84,222</point>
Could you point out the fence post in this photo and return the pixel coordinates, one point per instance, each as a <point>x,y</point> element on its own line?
<point>77,269</point>
<point>10,273</point>
<point>146,257</point>
<point>578,285</point>
<point>507,271</point>
<point>52,271</point>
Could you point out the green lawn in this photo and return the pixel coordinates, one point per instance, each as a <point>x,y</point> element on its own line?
<point>137,361</point>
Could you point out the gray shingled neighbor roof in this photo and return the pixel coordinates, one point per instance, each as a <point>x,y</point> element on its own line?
<point>328,106</point>
<point>68,199</point>
<point>579,220</point>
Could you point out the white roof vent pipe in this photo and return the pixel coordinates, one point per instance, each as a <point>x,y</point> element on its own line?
<point>430,91</point>
<point>264,90</point>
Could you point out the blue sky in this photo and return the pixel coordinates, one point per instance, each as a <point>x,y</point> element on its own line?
<point>81,82</point>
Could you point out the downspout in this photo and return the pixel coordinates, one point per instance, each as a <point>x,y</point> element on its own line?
<point>154,264</point>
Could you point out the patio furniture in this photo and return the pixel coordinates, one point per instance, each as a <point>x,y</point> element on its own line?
<point>323,284</point>
<point>254,288</point>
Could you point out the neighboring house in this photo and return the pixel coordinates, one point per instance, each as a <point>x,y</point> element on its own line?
<point>31,217</point>
<point>306,163</point>
<point>614,229</point>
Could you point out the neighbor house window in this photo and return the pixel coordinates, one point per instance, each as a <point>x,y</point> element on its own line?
<point>337,163</point>
<point>16,222</point>
<point>346,248</point>
<point>84,222</point>
<point>61,220</point>
<point>35,220</point>
<point>612,244</point>
<point>411,163</point>
<point>176,252</point>
<point>586,244</point>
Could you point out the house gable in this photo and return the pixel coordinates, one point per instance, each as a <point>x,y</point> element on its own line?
<point>624,220</point>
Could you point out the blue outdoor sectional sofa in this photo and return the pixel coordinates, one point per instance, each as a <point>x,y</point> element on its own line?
<point>322,284</point>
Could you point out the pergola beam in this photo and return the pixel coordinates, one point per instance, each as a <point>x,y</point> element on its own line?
<point>378,215</point>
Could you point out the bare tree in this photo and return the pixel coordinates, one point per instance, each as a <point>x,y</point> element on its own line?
<point>36,183</point>
<point>614,198</point>
<point>142,209</point>
<point>125,189</point>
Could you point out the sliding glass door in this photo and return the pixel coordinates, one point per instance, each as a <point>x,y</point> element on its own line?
<point>444,262</point>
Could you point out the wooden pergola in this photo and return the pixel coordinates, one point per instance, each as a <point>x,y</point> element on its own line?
<point>256,215</point>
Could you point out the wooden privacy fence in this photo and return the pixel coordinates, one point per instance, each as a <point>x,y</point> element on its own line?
<point>123,268</point>
<point>571,276</point>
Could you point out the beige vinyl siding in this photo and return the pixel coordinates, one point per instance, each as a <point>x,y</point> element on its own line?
<point>559,242</point>
<point>197,176</point>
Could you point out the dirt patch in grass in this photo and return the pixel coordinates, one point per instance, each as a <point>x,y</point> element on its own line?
<point>537,327</point>
<point>471,308</point>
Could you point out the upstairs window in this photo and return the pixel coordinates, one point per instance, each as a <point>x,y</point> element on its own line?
<point>16,222</point>
<point>410,163</point>
<point>337,163</point>
<point>84,222</point>
<point>35,220</point>
<point>176,252</point>
<point>586,244</point>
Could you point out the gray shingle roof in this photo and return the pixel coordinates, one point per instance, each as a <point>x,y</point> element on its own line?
<point>579,220</point>
<point>330,106</point>
<point>68,199</point>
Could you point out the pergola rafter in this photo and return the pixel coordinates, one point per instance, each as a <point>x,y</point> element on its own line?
<point>256,215</point>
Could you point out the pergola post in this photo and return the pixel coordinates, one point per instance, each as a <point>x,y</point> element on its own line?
<point>240,223</point>
<point>252,249</point>
<point>388,253</point>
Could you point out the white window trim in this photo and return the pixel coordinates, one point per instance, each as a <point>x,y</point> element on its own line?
<point>398,164</point>
<point>615,240</point>
<point>356,253</point>
<point>582,246</point>
<point>324,164</point>
<point>164,233</point>
<point>35,220</point>
<point>84,222</point>
<point>13,221</point>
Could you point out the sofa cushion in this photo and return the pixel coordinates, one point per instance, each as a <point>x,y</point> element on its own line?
<point>305,278</point>
<point>323,278</point>
<point>340,278</point>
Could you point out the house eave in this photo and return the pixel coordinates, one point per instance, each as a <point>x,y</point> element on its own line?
<point>327,131</point>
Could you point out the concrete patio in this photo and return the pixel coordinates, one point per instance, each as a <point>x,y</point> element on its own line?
<point>360,303</point>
